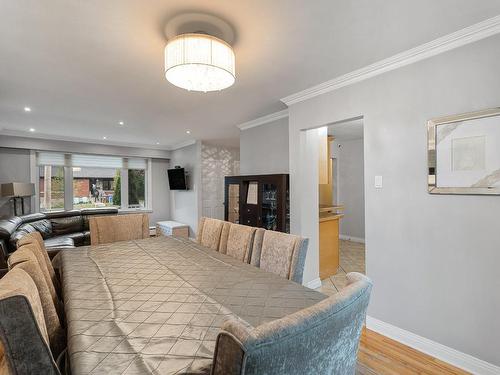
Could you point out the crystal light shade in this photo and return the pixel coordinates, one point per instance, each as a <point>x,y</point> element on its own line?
<point>199,62</point>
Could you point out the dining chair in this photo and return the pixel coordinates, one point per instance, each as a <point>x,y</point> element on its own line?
<point>26,260</point>
<point>237,241</point>
<point>321,339</point>
<point>210,231</point>
<point>281,253</point>
<point>24,341</point>
<point>36,246</point>
<point>108,229</point>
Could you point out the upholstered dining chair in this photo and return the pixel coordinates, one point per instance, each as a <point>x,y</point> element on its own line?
<point>25,259</point>
<point>321,339</point>
<point>237,240</point>
<point>281,253</point>
<point>24,341</point>
<point>210,231</point>
<point>108,229</point>
<point>35,242</point>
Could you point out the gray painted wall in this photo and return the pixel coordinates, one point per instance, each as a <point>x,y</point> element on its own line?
<point>433,259</point>
<point>14,167</point>
<point>160,191</point>
<point>185,205</point>
<point>350,186</point>
<point>264,149</point>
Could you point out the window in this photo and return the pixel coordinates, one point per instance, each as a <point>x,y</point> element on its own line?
<point>88,181</point>
<point>96,187</point>
<point>136,188</point>
<point>51,187</point>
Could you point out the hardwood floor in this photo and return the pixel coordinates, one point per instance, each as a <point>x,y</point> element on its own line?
<point>380,355</point>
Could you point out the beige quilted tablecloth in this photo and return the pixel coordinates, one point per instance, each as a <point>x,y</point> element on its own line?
<point>155,306</point>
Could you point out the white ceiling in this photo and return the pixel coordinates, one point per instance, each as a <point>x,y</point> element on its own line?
<point>83,66</point>
<point>347,131</point>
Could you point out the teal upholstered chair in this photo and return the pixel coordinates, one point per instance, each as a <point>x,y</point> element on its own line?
<point>322,339</point>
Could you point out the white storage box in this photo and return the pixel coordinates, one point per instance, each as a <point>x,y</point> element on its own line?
<point>172,228</point>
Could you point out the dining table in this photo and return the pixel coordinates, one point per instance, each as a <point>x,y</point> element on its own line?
<point>156,305</point>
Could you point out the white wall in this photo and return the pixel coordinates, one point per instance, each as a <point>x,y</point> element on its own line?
<point>14,167</point>
<point>433,259</point>
<point>350,186</point>
<point>264,149</point>
<point>185,205</point>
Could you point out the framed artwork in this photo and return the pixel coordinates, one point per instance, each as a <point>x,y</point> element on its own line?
<point>464,153</point>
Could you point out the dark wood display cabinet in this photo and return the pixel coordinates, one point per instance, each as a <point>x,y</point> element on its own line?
<point>259,201</point>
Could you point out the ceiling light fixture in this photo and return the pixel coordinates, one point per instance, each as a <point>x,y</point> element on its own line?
<point>188,131</point>
<point>121,123</point>
<point>32,130</point>
<point>199,62</point>
<point>104,138</point>
<point>27,109</point>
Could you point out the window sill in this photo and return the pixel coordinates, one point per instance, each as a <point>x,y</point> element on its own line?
<point>132,210</point>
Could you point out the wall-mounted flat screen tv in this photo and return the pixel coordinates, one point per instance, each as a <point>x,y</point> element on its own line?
<point>177,179</point>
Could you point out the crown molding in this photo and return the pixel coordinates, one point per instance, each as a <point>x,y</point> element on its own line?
<point>182,144</point>
<point>446,43</point>
<point>263,120</point>
<point>449,355</point>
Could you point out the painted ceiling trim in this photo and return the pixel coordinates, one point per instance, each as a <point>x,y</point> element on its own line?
<point>440,45</point>
<point>263,120</point>
<point>182,144</point>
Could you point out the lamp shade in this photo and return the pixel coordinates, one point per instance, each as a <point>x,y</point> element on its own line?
<point>18,189</point>
<point>199,62</point>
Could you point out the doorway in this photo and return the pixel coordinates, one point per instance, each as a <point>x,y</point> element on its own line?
<point>341,203</point>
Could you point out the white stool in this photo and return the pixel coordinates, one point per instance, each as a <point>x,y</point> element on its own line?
<point>172,228</point>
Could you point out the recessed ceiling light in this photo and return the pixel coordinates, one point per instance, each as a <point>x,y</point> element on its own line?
<point>32,130</point>
<point>104,138</point>
<point>157,143</point>
<point>27,109</point>
<point>121,123</point>
<point>188,131</point>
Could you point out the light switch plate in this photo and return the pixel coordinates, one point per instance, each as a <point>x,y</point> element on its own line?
<point>378,182</point>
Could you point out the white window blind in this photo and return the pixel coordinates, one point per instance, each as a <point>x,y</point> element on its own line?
<point>136,163</point>
<point>50,158</point>
<point>96,161</point>
<point>87,160</point>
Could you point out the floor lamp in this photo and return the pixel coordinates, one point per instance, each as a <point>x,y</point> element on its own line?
<point>18,191</point>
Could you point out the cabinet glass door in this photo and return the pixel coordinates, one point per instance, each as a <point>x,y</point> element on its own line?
<point>270,206</point>
<point>234,203</point>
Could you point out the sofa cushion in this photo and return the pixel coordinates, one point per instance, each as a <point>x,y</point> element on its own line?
<point>57,214</point>
<point>65,225</point>
<point>77,237</point>
<point>32,217</point>
<point>9,226</point>
<point>59,242</point>
<point>44,227</point>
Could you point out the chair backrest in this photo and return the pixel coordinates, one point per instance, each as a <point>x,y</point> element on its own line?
<point>321,339</point>
<point>23,335</point>
<point>281,253</point>
<point>237,241</point>
<point>210,231</point>
<point>108,229</point>
<point>24,259</point>
<point>34,243</point>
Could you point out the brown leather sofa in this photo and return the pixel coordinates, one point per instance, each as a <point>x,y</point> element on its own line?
<point>59,229</point>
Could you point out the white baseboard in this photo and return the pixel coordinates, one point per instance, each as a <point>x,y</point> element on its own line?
<point>434,349</point>
<point>314,284</point>
<point>351,238</point>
